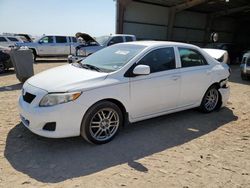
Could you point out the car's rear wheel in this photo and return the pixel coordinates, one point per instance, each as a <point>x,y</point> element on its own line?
<point>101,122</point>
<point>210,100</point>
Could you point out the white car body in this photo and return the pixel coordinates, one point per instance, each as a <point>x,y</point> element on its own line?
<point>143,97</point>
<point>9,41</point>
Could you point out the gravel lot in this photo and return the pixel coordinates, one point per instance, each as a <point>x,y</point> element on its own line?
<point>185,149</point>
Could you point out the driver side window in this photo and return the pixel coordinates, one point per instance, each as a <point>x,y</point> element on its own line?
<point>159,60</point>
<point>48,39</point>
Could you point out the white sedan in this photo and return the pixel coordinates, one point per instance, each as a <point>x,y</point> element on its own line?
<point>123,83</point>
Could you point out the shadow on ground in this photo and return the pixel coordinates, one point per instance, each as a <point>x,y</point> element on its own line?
<point>56,160</point>
<point>8,72</point>
<point>11,87</point>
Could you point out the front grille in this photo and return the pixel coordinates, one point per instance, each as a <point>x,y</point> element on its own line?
<point>28,97</point>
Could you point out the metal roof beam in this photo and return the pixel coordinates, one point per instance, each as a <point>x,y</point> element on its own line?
<point>230,11</point>
<point>188,4</point>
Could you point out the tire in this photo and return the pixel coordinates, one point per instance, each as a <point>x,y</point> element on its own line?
<point>34,55</point>
<point>210,100</point>
<point>2,67</point>
<point>243,76</point>
<point>101,123</point>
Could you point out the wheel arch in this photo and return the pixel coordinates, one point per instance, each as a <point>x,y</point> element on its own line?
<point>217,85</point>
<point>119,104</point>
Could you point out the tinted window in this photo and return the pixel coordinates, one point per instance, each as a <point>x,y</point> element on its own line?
<point>12,39</point>
<point>74,39</point>
<point>2,39</point>
<point>190,58</point>
<point>128,39</point>
<point>159,60</point>
<point>60,39</point>
<point>115,40</point>
<point>48,39</point>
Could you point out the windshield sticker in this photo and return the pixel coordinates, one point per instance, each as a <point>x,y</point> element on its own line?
<point>121,52</point>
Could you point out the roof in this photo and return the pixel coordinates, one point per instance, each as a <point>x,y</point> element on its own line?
<point>151,43</point>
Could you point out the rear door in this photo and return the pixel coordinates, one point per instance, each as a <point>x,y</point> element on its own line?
<point>62,45</point>
<point>195,76</point>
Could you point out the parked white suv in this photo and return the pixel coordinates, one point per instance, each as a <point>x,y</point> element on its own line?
<point>124,82</point>
<point>93,45</point>
<point>9,41</point>
<point>50,45</point>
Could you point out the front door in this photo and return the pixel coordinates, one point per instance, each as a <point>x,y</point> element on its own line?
<point>46,46</point>
<point>158,91</point>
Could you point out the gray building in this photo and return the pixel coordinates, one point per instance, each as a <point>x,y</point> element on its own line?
<point>190,21</point>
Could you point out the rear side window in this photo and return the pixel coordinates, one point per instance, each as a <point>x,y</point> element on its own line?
<point>60,39</point>
<point>128,39</point>
<point>116,40</point>
<point>74,39</point>
<point>13,39</point>
<point>159,60</point>
<point>2,39</point>
<point>191,58</point>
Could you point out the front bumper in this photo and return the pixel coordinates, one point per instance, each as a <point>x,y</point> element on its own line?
<point>225,92</point>
<point>67,116</point>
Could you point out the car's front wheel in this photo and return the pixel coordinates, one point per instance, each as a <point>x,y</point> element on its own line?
<point>101,122</point>
<point>210,100</point>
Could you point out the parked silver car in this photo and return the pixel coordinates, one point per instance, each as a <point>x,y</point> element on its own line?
<point>245,66</point>
<point>50,45</point>
<point>91,45</point>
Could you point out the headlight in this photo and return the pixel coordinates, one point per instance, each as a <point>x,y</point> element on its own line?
<point>81,52</point>
<point>58,98</point>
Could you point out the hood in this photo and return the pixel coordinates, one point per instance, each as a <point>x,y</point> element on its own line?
<point>66,78</point>
<point>87,38</point>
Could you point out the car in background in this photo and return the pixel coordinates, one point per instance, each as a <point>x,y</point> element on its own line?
<point>52,46</point>
<point>9,41</point>
<point>5,61</point>
<point>245,66</point>
<point>92,45</point>
<point>124,82</point>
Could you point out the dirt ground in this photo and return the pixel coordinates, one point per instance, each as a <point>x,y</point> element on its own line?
<point>185,149</point>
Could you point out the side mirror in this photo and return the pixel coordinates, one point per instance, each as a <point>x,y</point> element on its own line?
<point>40,42</point>
<point>141,70</point>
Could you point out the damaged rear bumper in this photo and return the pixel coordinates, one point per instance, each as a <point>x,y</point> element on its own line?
<point>225,92</point>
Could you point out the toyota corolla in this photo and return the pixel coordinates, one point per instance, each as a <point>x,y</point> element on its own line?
<point>123,83</point>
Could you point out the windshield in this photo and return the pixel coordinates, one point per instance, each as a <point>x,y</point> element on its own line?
<point>114,57</point>
<point>102,40</point>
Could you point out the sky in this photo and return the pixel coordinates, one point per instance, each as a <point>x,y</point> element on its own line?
<point>64,17</point>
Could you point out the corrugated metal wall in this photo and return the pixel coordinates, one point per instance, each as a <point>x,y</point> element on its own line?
<point>148,21</point>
